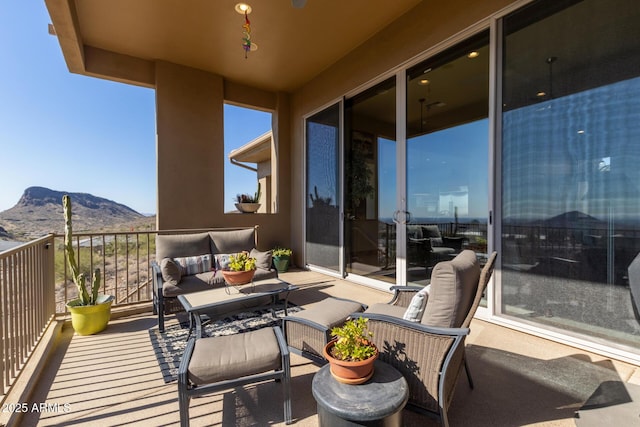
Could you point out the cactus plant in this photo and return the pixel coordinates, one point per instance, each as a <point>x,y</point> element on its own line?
<point>84,297</point>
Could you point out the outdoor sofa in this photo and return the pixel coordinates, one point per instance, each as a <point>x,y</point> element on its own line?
<point>193,262</point>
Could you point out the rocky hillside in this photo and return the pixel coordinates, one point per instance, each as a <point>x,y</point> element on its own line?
<point>39,211</point>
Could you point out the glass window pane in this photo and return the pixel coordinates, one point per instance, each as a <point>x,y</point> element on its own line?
<point>447,156</point>
<point>323,220</point>
<point>570,177</point>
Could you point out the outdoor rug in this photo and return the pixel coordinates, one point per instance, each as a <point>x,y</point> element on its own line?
<point>170,344</point>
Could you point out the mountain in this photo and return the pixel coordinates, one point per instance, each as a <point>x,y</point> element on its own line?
<point>39,211</point>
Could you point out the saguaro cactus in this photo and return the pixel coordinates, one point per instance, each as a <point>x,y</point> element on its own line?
<point>78,278</point>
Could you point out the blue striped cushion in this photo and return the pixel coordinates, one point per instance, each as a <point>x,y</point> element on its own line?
<point>194,264</point>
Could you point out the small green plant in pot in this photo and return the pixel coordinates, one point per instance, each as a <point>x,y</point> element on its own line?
<point>281,259</point>
<point>90,311</point>
<point>351,354</point>
<point>242,268</point>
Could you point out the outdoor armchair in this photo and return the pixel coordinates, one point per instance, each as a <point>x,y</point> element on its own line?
<point>431,356</point>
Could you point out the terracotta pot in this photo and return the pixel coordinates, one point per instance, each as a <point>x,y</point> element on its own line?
<point>238,277</point>
<point>349,372</point>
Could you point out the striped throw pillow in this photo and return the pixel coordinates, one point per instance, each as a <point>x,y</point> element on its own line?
<point>194,264</point>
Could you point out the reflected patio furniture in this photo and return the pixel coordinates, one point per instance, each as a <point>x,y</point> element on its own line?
<point>431,353</point>
<point>426,246</point>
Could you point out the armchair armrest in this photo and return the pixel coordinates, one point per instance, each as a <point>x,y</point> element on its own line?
<point>402,295</point>
<point>157,277</point>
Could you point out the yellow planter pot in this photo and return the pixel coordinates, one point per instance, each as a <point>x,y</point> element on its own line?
<point>90,319</point>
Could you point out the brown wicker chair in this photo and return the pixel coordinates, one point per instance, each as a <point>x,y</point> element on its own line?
<point>430,358</point>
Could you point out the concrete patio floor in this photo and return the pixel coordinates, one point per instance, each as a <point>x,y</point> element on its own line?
<point>113,378</point>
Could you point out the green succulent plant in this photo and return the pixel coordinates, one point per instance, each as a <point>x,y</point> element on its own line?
<point>278,251</point>
<point>353,341</point>
<point>242,262</point>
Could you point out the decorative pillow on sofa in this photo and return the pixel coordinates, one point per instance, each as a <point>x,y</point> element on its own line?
<point>263,259</point>
<point>194,264</point>
<point>222,261</point>
<point>171,272</point>
<point>416,306</point>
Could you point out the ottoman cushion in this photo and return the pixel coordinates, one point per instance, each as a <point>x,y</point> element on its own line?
<point>228,357</point>
<point>329,312</point>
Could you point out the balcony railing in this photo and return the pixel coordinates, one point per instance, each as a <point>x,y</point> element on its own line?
<point>124,259</point>
<point>27,304</point>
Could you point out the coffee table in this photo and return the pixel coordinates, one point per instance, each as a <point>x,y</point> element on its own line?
<point>223,301</point>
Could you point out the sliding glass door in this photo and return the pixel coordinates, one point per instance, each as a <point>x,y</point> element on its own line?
<point>323,189</point>
<point>370,182</point>
<point>447,156</point>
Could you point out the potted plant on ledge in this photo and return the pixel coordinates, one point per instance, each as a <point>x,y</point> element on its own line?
<point>247,203</point>
<point>351,354</point>
<point>281,259</point>
<point>90,312</point>
<point>241,269</point>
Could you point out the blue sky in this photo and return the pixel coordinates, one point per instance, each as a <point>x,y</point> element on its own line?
<point>74,133</point>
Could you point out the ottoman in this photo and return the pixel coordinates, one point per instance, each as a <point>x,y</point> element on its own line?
<point>218,363</point>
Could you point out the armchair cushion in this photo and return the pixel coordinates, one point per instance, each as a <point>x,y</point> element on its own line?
<point>396,311</point>
<point>432,232</point>
<point>453,286</point>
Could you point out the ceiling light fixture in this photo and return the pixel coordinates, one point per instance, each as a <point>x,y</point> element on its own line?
<point>423,82</point>
<point>243,8</point>
<point>473,54</point>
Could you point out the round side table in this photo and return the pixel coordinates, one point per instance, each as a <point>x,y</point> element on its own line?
<point>378,402</point>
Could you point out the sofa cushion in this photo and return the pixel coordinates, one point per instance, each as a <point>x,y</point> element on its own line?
<point>453,287</point>
<point>182,245</point>
<point>192,283</point>
<point>171,271</point>
<point>206,281</point>
<point>232,241</point>
<point>263,259</point>
<point>194,264</point>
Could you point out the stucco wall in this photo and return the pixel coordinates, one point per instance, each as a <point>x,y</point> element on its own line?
<point>191,158</point>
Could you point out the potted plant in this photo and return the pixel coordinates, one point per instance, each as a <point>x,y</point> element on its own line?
<point>281,259</point>
<point>241,269</point>
<point>90,312</point>
<point>351,354</point>
<point>247,203</point>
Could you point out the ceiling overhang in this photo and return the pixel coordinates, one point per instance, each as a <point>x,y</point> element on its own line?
<point>121,40</point>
